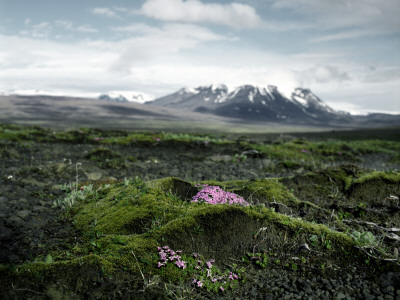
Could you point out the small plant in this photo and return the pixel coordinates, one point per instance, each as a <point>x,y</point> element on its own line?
<point>326,243</point>
<point>239,158</point>
<point>365,238</point>
<point>314,240</point>
<point>215,195</point>
<point>203,273</point>
<point>260,260</point>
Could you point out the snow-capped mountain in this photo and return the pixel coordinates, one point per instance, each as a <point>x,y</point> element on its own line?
<point>118,98</point>
<point>125,96</point>
<point>253,103</point>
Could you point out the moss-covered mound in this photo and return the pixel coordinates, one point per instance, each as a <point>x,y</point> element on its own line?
<point>123,224</point>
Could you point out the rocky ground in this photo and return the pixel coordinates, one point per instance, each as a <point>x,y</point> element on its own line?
<point>34,174</point>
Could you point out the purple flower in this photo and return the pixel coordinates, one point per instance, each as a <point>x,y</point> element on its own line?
<point>199,283</point>
<point>209,264</point>
<point>215,195</point>
<point>209,273</point>
<point>160,264</point>
<point>181,264</point>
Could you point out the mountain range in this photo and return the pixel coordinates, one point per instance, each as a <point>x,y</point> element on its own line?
<point>245,105</point>
<point>264,104</point>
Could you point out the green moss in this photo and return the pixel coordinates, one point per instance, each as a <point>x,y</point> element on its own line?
<point>258,191</point>
<point>392,177</point>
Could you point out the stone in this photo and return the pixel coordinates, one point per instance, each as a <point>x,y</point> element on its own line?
<point>15,221</point>
<point>3,201</point>
<point>38,208</point>
<point>94,176</point>
<point>340,296</point>
<point>220,158</point>
<point>23,213</point>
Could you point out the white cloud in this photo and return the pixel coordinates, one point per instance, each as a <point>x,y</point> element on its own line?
<point>152,43</point>
<point>68,25</point>
<point>322,74</point>
<point>234,15</point>
<point>41,30</point>
<point>376,15</point>
<point>343,35</point>
<point>104,11</point>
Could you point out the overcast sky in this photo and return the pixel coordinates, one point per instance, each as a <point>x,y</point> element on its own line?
<point>346,51</point>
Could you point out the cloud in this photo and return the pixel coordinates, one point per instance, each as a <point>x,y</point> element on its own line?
<point>343,35</point>
<point>322,74</point>
<point>151,43</point>
<point>376,15</point>
<point>234,15</point>
<point>68,25</point>
<point>41,30</point>
<point>104,11</point>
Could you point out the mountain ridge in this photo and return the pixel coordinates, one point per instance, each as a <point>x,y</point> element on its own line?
<point>249,102</point>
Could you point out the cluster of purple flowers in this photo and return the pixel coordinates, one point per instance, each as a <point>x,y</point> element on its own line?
<point>166,254</point>
<point>210,276</point>
<point>206,274</point>
<point>216,195</point>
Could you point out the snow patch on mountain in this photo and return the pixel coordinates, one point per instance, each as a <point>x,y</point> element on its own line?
<point>130,96</point>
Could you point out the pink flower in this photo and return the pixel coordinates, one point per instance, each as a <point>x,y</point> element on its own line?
<point>199,283</point>
<point>222,289</point>
<point>181,264</point>
<point>160,264</point>
<point>215,195</point>
<point>209,264</point>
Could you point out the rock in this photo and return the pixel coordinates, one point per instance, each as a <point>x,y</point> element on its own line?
<point>23,213</point>
<point>39,208</point>
<point>252,153</point>
<point>174,172</point>
<point>340,296</point>
<point>4,231</point>
<point>220,158</point>
<point>15,221</point>
<point>3,201</point>
<point>60,167</point>
<point>93,173</point>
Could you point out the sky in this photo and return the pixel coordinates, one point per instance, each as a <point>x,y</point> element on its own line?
<point>346,51</point>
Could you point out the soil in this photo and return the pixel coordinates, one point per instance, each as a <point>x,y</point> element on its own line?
<point>33,176</point>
